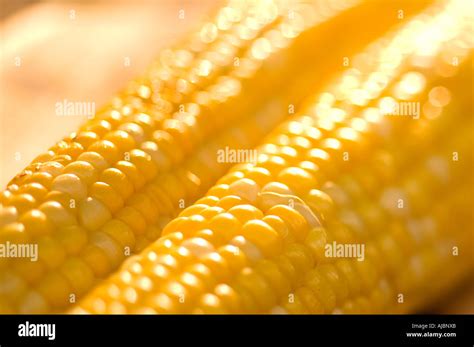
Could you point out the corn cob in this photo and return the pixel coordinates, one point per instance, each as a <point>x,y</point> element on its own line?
<point>242,248</point>
<point>410,238</point>
<point>106,191</point>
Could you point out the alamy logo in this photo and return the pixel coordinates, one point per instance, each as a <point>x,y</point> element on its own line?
<point>391,107</point>
<point>345,250</point>
<point>37,330</point>
<point>75,108</point>
<point>230,155</point>
<point>21,250</point>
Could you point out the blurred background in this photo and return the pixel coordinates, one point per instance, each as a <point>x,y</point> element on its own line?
<point>52,51</point>
<point>77,51</point>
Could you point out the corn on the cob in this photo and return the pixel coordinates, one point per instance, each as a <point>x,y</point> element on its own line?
<point>106,191</point>
<point>258,238</point>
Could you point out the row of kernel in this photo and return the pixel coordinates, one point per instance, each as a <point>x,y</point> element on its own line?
<point>106,246</point>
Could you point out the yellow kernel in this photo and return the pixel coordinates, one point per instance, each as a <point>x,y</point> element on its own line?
<point>247,299</point>
<point>229,298</point>
<point>160,199</point>
<point>246,212</point>
<point>259,175</point>
<point>93,214</point>
<point>44,157</point>
<point>95,159</point>
<point>107,150</point>
<point>230,201</point>
<point>160,303</point>
<point>86,138</point>
<point>14,233</point>
<point>36,223</point>
<point>120,232</point>
<point>13,286</point>
<point>79,275</point>
<point>300,256</point>
<point>192,283</point>
<point>251,251</point>
<point>277,187</point>
<point>258,287</point>
<point>84,170</point>
<point>64,199</point>
<point>70,184</point>
<point>263,236</point>
<point>30,271</point>
<point>203,273</point>
<point>209,235</point>
<point>208,200</point>
<point>172,187</point>
<point>279,226</point>
<point>287,268</point>
<point>142,203</point>
<point>318,156</point>
<point>210,304</point>
<point>231,177</point>
<point>274,164</point>
<point>180,132</point>
<point>338,283</point>
<point>134,130</point>
<point>316,240</point>
<point>193,209</point>
<point>55,289</point>
<point>348,272</point>
<point>110,248</point>
<point>132,173</point>
<point>42,178</point>
<point>33,303</point>
<point>8,214</point>
<point>297,179</point>
<point>190,182</point>
<point>107,195</point>
<point>198,247</point>
<point>233,257</point>
<point>218,266</point>
<point>219,190</point>
<point>322,290</point>
<point>310,167</point>
<point>211,212</point>
<point>133,219</point>
<point>36,190</point>
<point>179,294</point>
<point>121,139</point>
<point>118,181</point>
<point>246,189</point>
<point>225,225</point>
<point>320,202</point>
<point>165,140</point>
<point>98,126</point>
<point>187,225</point>
<point>146,122</point>
<point>274,276</point>
<point>295,221</point>
<point>63,156</point>
<point>73,238</point>
<point>22,202</point>
<point>161,159</point>
<point>309,300</point>
<point>57,213</point>
<point>288,153</point>
<point>50,251</point>
<point>52,168</point>
<point>144,163</point>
